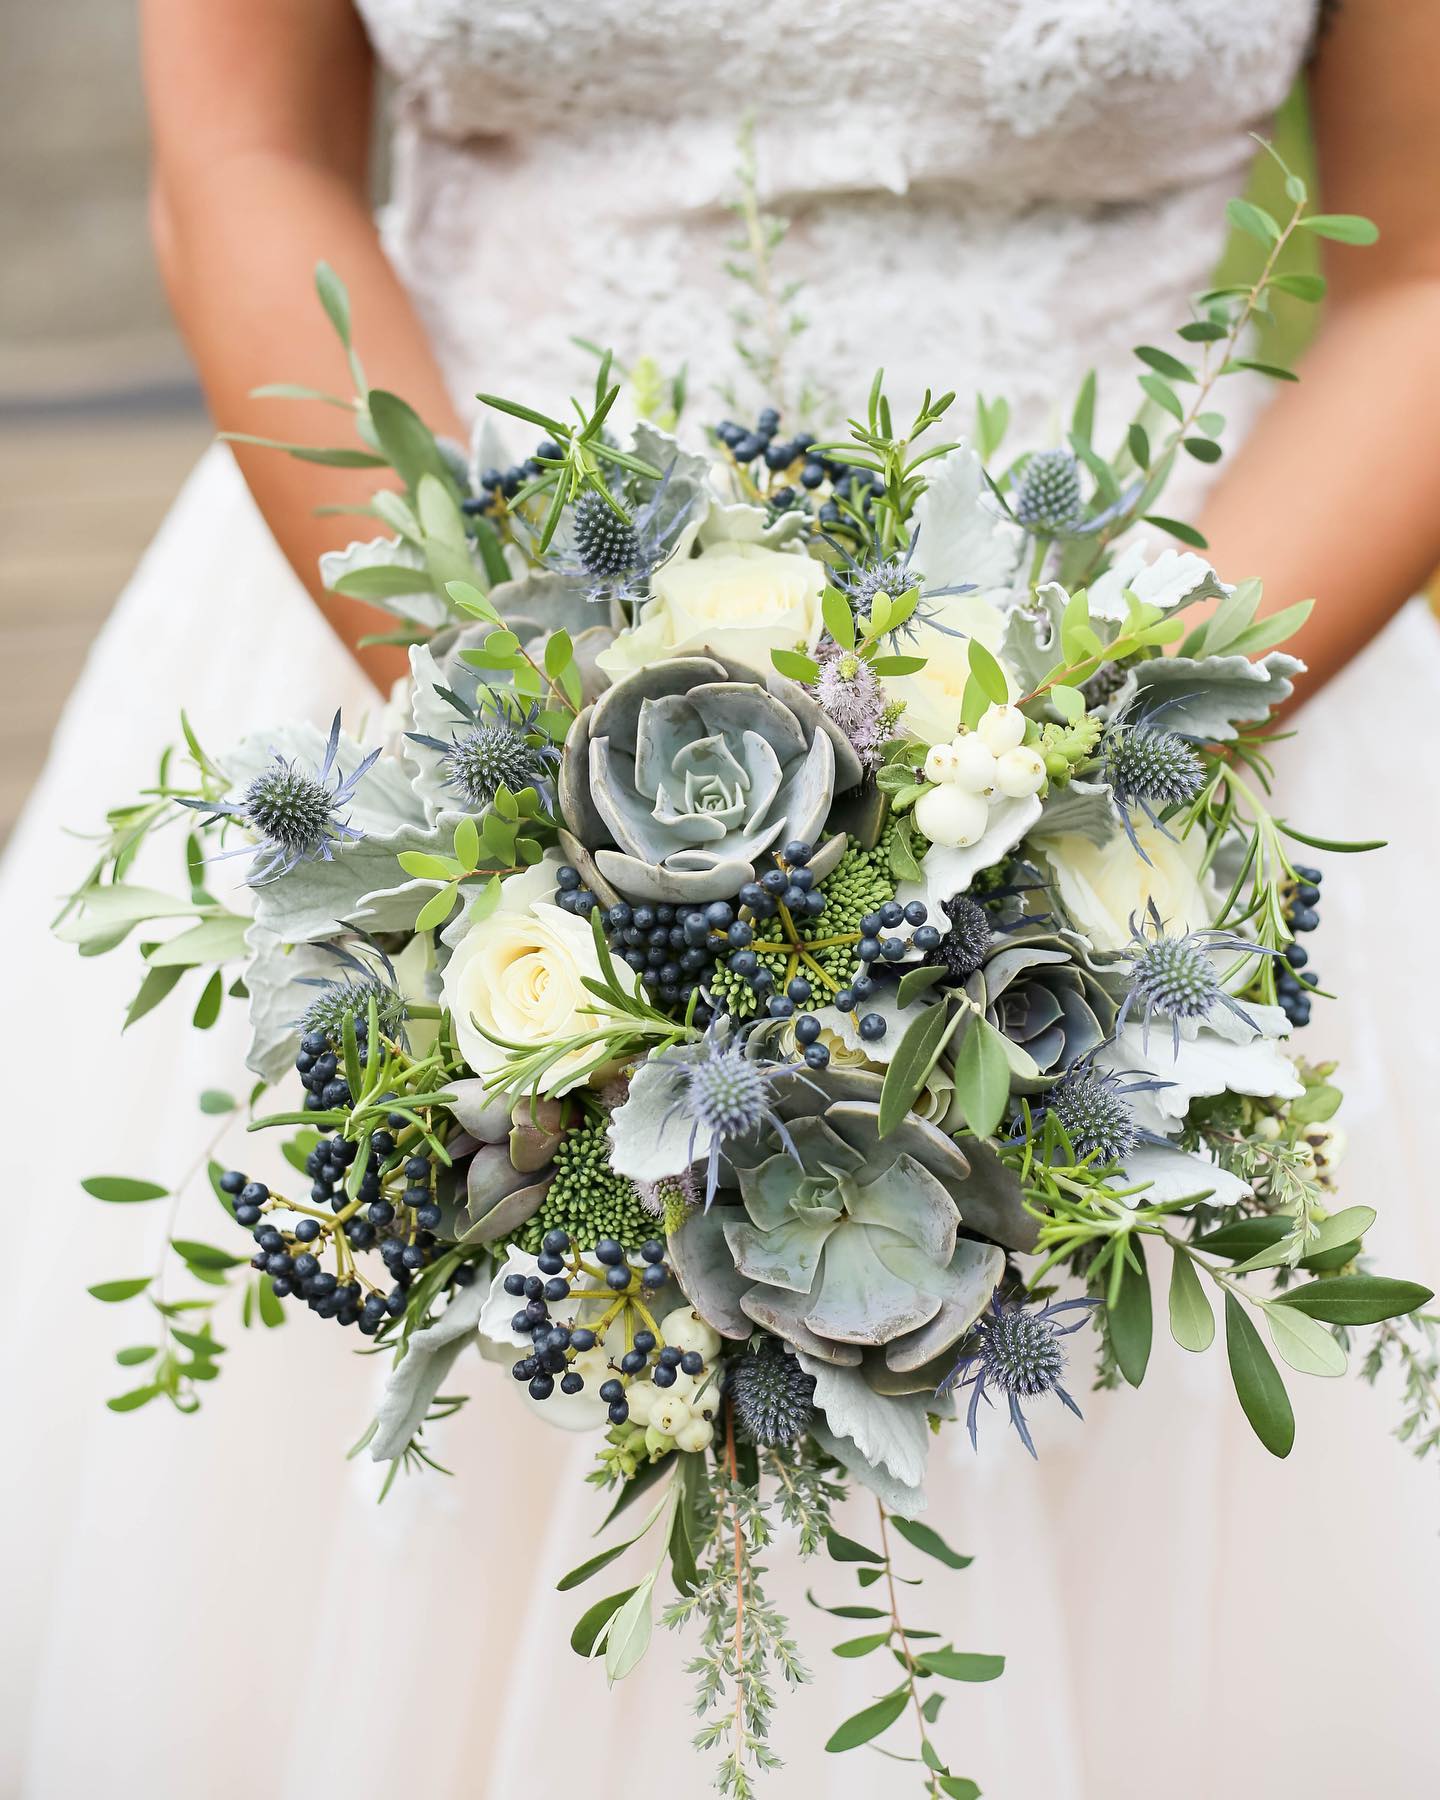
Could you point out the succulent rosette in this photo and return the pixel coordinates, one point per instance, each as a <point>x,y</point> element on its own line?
<point>680,777</point>
<point>846,1243</point>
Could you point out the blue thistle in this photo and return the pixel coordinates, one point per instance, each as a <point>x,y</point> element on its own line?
<point>774,1398</point>
<point>864,578</point>
<point>615,554</point>
<point>349,996</point>
<point>294,813</point>
<point>338,1001</point>
<point>1174,974</point>
<point>1147,767</point>
<point>1093,1108</point>
<point>726,1094</point>
<point>1048,502</point>
<point>500,745</point>
<point>1017,1350</point>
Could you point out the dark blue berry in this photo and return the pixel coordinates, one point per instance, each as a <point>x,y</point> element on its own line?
<point>872,1027</point>
<point>817,1056</point>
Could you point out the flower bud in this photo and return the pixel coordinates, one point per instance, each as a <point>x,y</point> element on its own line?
<point>1002,729</point>
<point>951,816</point>
<point>1020,772</point>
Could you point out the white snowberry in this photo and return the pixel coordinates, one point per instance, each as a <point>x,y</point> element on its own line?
<point>974,765</point>
<point>642,1396</point>
<point>1020,772</point>
<point>686,1330</point>
<point>1002,729</point>
<point>951,816</point>
<point>697,1435</point>
<point>670,1415</point>
<point>940,762</point>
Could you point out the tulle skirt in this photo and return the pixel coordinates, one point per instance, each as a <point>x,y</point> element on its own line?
<point>217,1604</point>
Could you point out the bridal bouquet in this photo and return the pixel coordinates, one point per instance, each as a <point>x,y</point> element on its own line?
<point>808,939</point>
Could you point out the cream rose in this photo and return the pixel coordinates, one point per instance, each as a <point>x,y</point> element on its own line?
<point>737,599</point>
<point>1103,887</point>
<point>933,694</point>
<point>519,975</point>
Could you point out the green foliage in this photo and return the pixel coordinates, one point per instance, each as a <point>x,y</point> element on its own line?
<point>587,1198</point>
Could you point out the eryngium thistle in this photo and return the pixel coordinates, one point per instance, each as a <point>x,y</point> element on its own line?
<point>1049,497</point>
<point>490,757</point>
<point>338,1001</point>
<point>295,814</point>
<point>1098,1120</point>
<point>964,947</point>
<point>1017,1351</point>
<point>1144,766</point>
<point>1175,975</point>
<point>605,543</point>
<point>773,1397</point>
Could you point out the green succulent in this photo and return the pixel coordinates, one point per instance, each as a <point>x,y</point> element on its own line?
<point>683,774</point>
<point>1051,994</point>
<point>845,1244</point>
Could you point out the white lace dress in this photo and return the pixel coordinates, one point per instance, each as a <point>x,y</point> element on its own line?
<point>992,194</point>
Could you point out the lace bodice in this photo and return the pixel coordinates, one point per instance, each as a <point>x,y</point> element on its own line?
<point>988,195</point>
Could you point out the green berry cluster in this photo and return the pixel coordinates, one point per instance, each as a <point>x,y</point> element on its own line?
<point>587,1199</point>
<point>860,883</point>
<point>1066,747</point>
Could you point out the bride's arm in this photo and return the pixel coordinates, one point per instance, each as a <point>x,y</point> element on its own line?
<point>260,113</point>
<point>1336,494</point>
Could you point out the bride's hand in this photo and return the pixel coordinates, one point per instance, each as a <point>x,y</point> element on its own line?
<point>1336,493</point>
<point>260,113</point>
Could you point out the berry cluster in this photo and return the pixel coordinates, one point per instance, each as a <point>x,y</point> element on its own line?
<point>497,485</point>
<point>318,1064</point>
<point>401,1228</point>
<point>781,456</point>
<point>557,1347</point>
<point>782,898</point>
<point>1294,979</point>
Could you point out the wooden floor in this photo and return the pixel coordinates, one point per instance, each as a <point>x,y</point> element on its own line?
<point>80,497</point>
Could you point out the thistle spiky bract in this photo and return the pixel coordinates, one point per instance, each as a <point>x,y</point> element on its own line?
<point>1097,1118</point>
<point>772,1395</point>
<point>1049,497</point>
<point>1146,766</point>
<point>605,544</point>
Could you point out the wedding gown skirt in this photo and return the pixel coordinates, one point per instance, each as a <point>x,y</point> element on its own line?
<point>217,1605</point>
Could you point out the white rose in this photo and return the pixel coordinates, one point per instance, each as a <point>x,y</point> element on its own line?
<point>932,695</point>
<point>1103,887</point>
<point>519,975</point>
<point>738,599</point>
